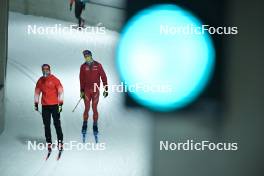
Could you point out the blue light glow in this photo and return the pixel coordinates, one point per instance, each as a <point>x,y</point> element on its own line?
<point>151,56</point>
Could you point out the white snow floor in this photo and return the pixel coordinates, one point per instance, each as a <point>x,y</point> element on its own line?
<point>127,151</point>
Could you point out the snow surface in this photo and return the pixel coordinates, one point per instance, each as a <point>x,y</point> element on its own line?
<point>126,132</point>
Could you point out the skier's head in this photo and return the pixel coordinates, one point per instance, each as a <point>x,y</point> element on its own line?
<point>88,56</point>
<point>45,70</point>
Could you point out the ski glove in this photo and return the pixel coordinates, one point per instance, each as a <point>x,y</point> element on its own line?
<point>82,95</point>
<point>59,108</point>
<point>36,107</point>
<point>105,94</point>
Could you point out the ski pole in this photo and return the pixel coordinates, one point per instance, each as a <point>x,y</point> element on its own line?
<point>77,105</point>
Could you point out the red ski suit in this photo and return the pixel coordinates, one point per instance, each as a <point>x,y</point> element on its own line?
<point>51,89</point>
<point>89,84</point>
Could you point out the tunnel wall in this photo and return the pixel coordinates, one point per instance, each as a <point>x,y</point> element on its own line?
<point>108,12</point>
<point>3,56</point>
<point>243,113</point>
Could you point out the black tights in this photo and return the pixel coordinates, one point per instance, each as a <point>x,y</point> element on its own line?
<point>47,112</point>
<point>79,6</point>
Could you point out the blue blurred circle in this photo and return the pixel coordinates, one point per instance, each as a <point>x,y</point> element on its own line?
<point>168,66</point>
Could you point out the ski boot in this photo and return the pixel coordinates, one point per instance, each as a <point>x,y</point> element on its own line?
<point>82,24</point>
<point>95,131</point>
<point>49,150</point>
<point>84,131</point>
<point>60,149</point>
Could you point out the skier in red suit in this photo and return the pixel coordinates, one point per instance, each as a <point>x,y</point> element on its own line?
<point>90,74</point>
<point>52,100</point>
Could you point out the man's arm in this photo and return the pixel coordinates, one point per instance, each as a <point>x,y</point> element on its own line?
<point>71,2</point>
<point>104,80</point>
<point>82,82</point>
<point>37,95</point>
<point>103,76</point>
<point>82,79</point>
<point>59,88</point>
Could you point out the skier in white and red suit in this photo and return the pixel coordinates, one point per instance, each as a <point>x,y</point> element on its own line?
<point>90,74</point>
